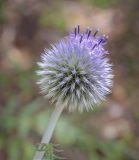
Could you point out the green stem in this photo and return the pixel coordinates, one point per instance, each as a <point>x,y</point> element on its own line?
<point>49,130</point>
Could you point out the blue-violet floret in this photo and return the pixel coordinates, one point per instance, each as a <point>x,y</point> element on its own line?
<point>75,72</point>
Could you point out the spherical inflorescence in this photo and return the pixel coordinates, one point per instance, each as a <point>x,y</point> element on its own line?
<point>75,71</point>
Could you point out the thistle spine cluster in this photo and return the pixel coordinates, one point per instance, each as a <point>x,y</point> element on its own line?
<point>75,72</point>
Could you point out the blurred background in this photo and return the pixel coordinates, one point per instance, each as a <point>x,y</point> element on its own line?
<point>111,131</point>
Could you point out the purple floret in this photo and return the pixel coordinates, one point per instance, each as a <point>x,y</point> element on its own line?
<point>75,71</point>
<point>94,44</point>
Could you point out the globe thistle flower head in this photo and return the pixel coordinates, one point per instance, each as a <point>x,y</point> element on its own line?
<point>75,71</point>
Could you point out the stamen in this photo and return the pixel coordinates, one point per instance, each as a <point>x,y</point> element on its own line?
<point>81,38</point>
<point>78,29</point>
<point>89,32</point>
<point>96,32</point>
<point>75,31</point>
<point>101,40</point>
<point>94,46</point>
<point>105,38</point>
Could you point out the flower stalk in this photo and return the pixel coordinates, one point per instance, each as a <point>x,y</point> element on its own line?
<point>49,130</point>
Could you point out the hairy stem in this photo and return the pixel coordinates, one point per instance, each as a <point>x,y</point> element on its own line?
<point>49,130</point>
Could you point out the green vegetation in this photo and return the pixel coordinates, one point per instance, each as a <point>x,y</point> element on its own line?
<point>2,13</point>
<point>53,18</point>
<point>104,3</point>
<point>23,115</point>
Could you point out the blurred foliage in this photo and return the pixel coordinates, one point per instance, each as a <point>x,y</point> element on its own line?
<point>96,149</point>
<point>104,3</point>
<point>23,117</point>
<point>2,11</point>
<point>18,127</point>
<point>53,18</point>
<point>15,129</point>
